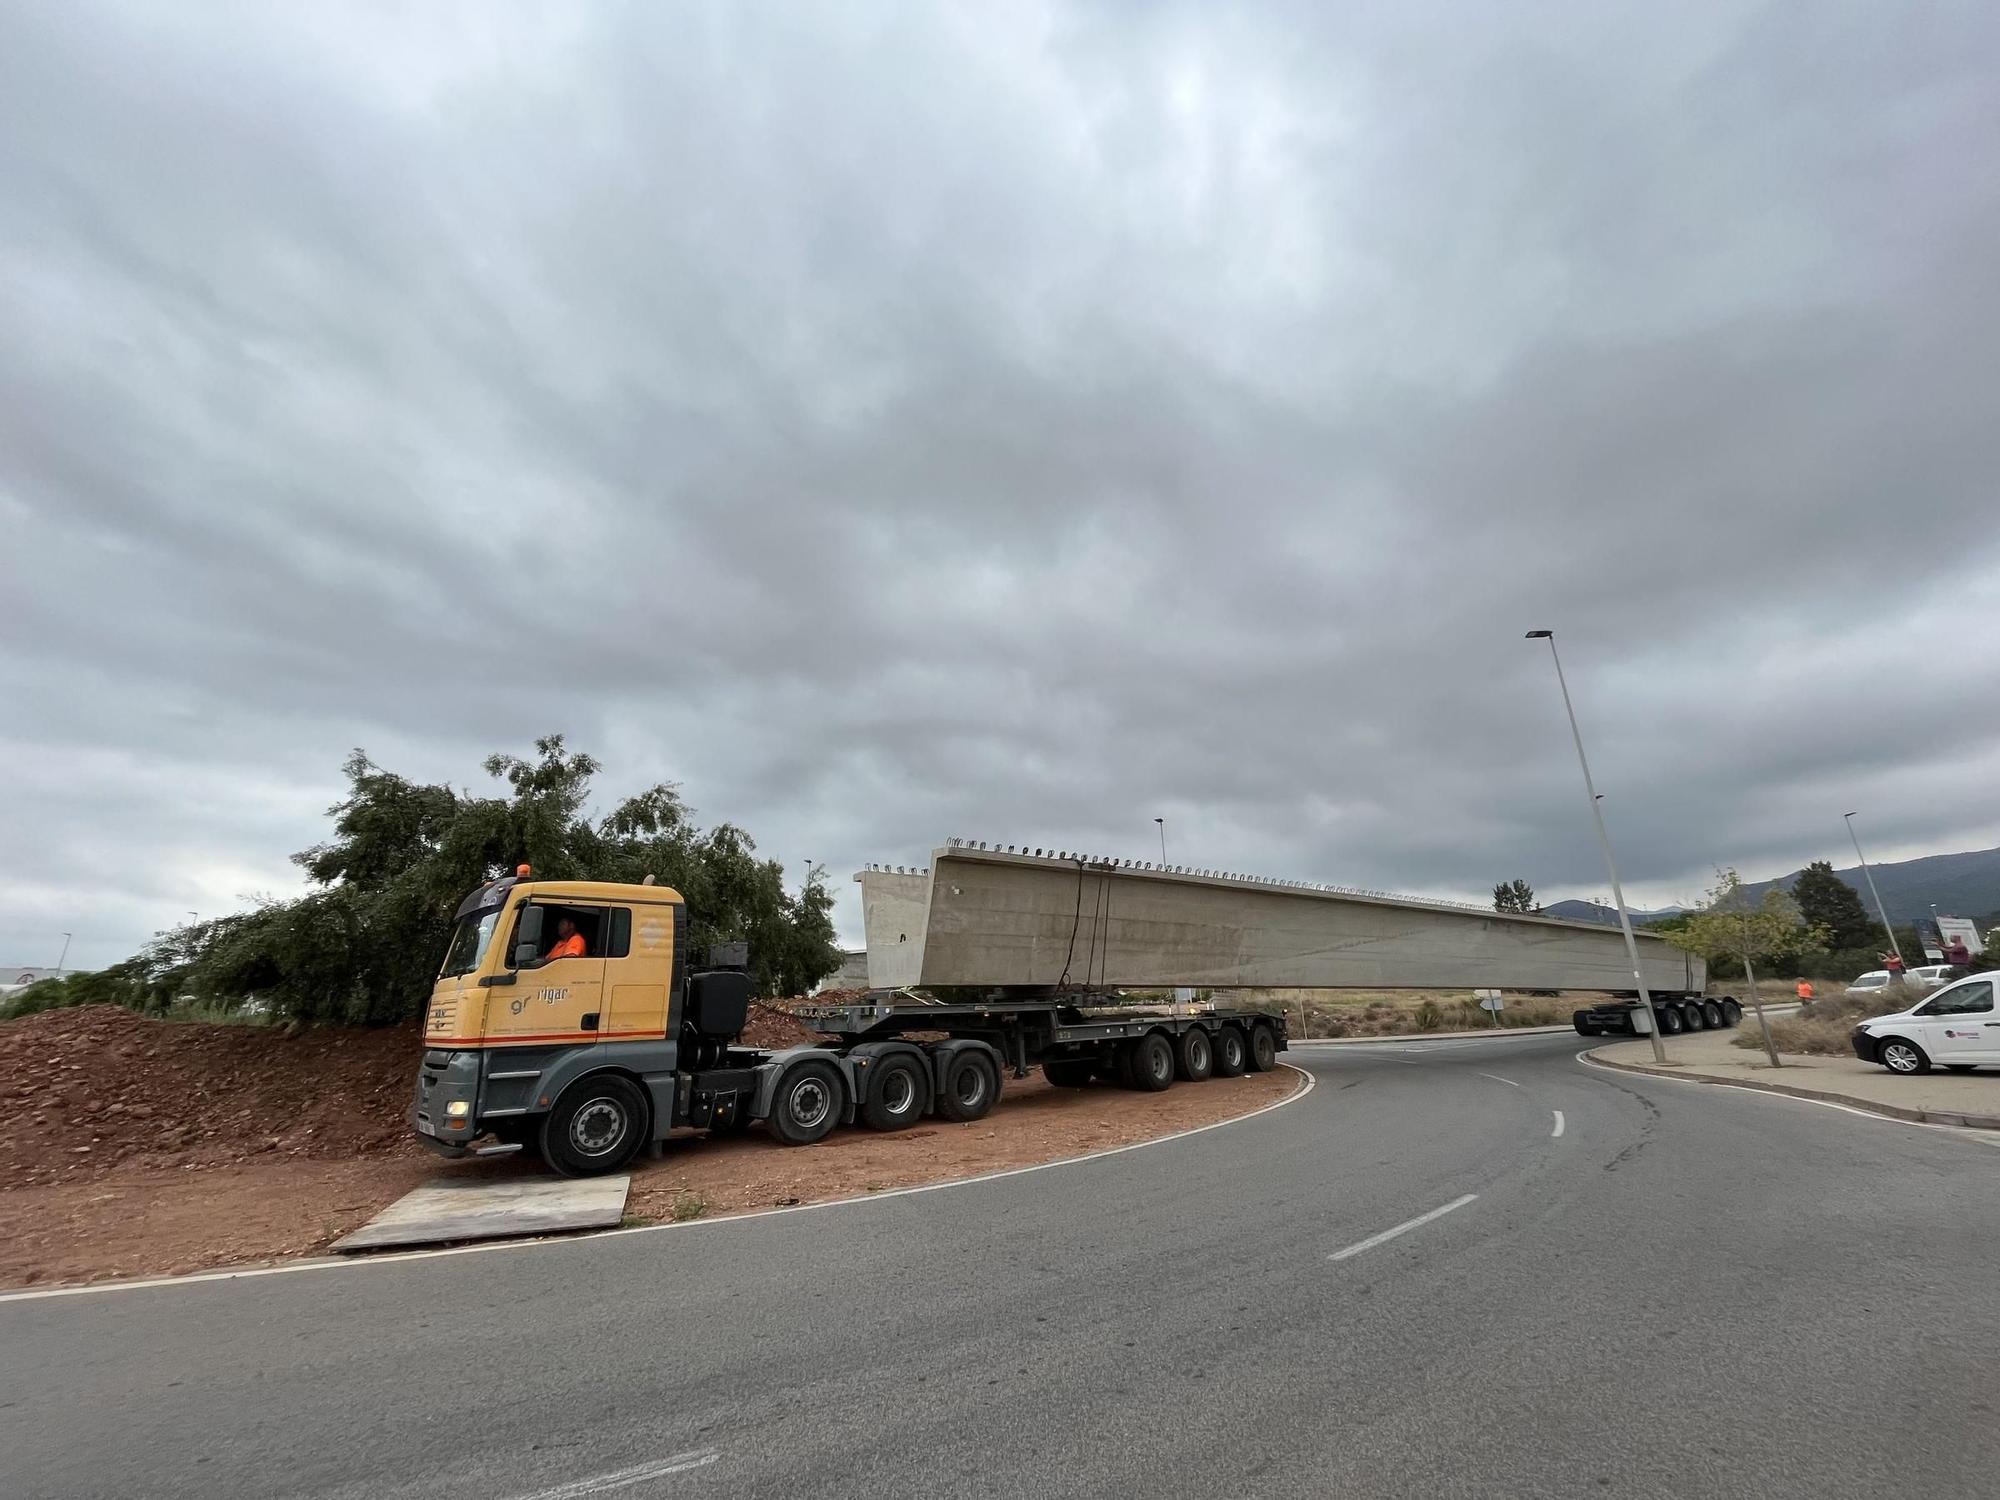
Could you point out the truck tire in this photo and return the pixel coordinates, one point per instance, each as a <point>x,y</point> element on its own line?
<point>1731,1011</point>
<point>971,1084</point>
<point>1069,1072</point>
<point>1900,1055</point>
<point>807,1105</point>
<point>1712,1016</point>
<point>1152,1062</point>
<point>1194,1056</point>
<point>1580,1019</point>
<point>1670,1020</point>
<point>1263,1049</point>
<point>896,1093</point>
<point>1232,1059</point>
<point>597,1125</point>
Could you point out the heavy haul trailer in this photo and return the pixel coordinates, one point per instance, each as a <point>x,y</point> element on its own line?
<point>1673,1012</point>
<point>567,1017</point>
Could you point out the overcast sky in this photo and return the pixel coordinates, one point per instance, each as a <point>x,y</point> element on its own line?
<point>1008,422</point>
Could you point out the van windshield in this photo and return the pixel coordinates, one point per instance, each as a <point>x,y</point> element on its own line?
<point>468,943</point>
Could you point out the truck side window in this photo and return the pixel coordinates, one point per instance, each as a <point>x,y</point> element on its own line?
<point>620,942</point>
<point>592,924</point>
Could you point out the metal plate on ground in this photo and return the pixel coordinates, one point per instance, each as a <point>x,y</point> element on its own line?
<point>466,1209</point>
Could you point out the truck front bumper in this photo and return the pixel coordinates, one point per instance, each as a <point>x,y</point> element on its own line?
<point>445,1079</point>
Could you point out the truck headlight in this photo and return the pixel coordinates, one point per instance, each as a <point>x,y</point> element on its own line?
<point>458,1109</point>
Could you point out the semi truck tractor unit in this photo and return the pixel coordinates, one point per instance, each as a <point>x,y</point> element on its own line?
<point>569,1018</point>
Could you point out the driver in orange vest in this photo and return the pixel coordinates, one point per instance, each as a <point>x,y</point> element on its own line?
<point>569,942</point>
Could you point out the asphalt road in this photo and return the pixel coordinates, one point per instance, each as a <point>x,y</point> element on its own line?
<point>1689,1291</point>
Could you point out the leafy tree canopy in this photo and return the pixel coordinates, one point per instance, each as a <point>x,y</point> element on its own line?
<point>1514,895</point>
<point>365,946</point>
<point>1831,904</point>
<point>1731,926</point>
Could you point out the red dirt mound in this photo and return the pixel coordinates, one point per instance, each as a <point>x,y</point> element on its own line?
<point>86,1089</point>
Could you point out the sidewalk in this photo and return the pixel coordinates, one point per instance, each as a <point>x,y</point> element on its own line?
<point>1971,1099</point>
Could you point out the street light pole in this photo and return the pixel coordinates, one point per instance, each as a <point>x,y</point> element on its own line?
<point>1604,842</point>
<point>65,955</point>
<point>1869,875</point>
<point>1163,841</point>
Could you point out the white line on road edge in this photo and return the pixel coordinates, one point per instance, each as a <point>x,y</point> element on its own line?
<point>363,1262</point>
<point>659,1468</point>
<point>1964,1132</point>
<point>1498,1079</point>
<point>1403,1228</point>
<point>1559,1124</point>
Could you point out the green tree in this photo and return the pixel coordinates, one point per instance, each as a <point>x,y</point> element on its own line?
<point>1514,895</point>
<point>365,946</point>
<point>1832,905</point>
<point>1730,925</point>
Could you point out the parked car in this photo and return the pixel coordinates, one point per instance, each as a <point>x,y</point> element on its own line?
<point>1930,976</point>
<point>1955,1027</point>
<point>1875,980</point>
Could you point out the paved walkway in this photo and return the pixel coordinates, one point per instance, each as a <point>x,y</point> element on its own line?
<point>1943,1098</point>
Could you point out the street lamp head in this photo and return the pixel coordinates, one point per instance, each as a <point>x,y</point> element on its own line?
<point>1539,635</point>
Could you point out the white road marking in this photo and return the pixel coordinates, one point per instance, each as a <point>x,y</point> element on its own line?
<point>1403,1228</point>
<point>659,1468</point>
<point>1559,1124</point>
<point>1983,1137</point>
<point>1498,1079</point>
<point>363,1262</point>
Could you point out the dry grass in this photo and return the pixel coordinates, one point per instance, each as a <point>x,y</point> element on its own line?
<point>1818,1036</point>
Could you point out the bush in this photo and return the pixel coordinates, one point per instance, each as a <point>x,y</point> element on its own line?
<point>1817,1036</point>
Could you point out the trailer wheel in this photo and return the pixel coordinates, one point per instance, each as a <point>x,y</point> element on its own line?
<point>1069,1072</point>
<point>1731,1011</point>
<point>1580,1019</point>
<point>596,1126</point>
<point>1670,1020</point>
<point>1263,1049</point>
<point>1697,1018</point>
<point>807,1106</point>
<point>1231,1056</point>
<point>1195,1056</point>
<point>1712,1016</point>
<point>1150,1059</point>
<point>970,1086</point>
<point>896,1096</point>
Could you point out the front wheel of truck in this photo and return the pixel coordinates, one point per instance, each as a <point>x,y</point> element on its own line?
<point>596,1126</point>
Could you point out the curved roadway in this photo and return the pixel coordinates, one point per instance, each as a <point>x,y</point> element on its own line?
<point>1689,1291</point>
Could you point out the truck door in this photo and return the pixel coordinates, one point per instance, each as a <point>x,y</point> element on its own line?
<point>641,968</point>
<point>560,999</point>
<point>1959,1024</point>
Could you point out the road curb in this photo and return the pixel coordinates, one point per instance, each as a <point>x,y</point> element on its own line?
<point>1429,1036</point>
<point>1823,1096</point>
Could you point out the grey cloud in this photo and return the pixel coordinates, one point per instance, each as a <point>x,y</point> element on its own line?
<point>892,424</point>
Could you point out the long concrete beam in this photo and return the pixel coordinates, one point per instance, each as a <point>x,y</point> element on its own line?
<point>982,917</point>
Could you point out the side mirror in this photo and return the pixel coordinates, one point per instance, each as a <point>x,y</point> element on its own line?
<point>528,935</point>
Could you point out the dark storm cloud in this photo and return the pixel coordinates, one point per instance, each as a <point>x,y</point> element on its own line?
<point>1020,424</point>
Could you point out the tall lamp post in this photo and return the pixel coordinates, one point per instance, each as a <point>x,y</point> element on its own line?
<point>65,955</point>
<point>1869,875</point>
<point>1604,841</point>
<point>1163,841</point>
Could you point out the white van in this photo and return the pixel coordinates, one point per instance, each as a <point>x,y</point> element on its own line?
<point>1956,1027</point>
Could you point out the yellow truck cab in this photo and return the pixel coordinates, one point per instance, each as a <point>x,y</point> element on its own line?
<point>562,1015</point>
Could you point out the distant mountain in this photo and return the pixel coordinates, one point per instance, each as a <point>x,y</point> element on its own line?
<point>1590,911</point>
<point>1960,885</point>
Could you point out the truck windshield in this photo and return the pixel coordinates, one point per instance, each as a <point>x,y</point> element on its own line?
<point>468,943</point>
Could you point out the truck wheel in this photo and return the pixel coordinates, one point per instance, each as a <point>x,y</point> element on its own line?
<point>1152,1063</point>
<point>1263,1049</point>
<point>1712,1016</point>
<point>1731,1011</point>
<point>1069,1072</point>
<point>1899,1056</point>
<point>1580,1019</point>
<point>970,1087</point>
<point>1670,1020</point>
<point>1194,1058</point>
<point>896,1096</point>
<point>1231,1059</point>
<point>596,1126</point>
<point>807,1105</point>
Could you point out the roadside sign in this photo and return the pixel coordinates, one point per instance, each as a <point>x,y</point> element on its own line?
<point>1490,1000</point>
